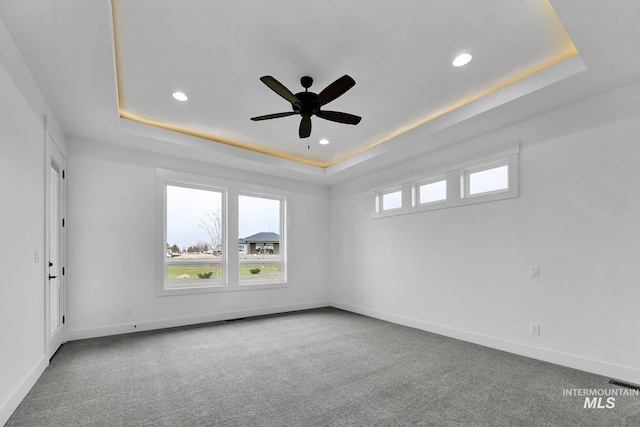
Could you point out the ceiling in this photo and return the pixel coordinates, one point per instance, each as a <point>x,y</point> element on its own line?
<point>108,69</point>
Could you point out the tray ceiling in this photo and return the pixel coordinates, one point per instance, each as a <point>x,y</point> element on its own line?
<point>399,53</point>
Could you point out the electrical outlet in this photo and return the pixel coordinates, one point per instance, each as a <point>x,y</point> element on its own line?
<point>534,328</point>
<point>535,271</point>
<point>128,311</point>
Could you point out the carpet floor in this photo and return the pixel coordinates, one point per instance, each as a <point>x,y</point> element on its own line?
<point>323,367</point>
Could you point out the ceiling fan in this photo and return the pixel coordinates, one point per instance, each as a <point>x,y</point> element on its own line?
<point>308,103</point>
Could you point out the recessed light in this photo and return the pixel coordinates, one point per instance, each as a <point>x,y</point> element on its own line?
<point>180,96</point>
<point>323,142</point>
<point>462,59</point>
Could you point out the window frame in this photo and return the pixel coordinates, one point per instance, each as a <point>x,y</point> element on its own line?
<point>230,256</point>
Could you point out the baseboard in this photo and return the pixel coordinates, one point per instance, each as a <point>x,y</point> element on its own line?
<point>599,367</point>
<point>11,403</point>
<point>78,334</point>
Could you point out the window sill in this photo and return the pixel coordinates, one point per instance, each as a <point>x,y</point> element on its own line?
<point>222,288</point>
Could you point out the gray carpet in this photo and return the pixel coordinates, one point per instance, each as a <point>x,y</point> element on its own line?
<point>322,367</point>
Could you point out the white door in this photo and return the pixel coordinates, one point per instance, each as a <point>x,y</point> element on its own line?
<point>55,295</point>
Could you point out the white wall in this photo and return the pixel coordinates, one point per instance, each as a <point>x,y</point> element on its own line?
<point>22,231</point>
<point>464,272</point>
<point>22,218</point>
<point>22,215</point>
<point>112,235</point>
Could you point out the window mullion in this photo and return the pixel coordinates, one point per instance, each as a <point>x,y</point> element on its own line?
<point>454,186</point>
<point>406,195</point>
<point>231,250</point>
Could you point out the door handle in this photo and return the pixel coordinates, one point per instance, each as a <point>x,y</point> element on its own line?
<point>52,277</point>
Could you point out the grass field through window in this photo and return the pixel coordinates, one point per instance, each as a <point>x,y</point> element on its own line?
<point>176,272</point>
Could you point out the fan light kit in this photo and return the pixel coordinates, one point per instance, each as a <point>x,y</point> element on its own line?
<point>323,142</point>
<point>180,96</point>
<point>308,104</point>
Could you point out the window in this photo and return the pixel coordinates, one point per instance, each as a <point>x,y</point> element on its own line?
<point>388,200</point>
<point>491,177</point>
<point>392,200</point>
<point>486,179</point>
<point>431,192</point>
<point>201,221</point>
<point>194,237</point>
<point>260,225</point>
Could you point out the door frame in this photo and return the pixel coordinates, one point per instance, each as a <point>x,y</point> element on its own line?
<point>51,146</point>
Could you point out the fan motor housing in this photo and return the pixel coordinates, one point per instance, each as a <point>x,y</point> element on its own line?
<point>309,102</point>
